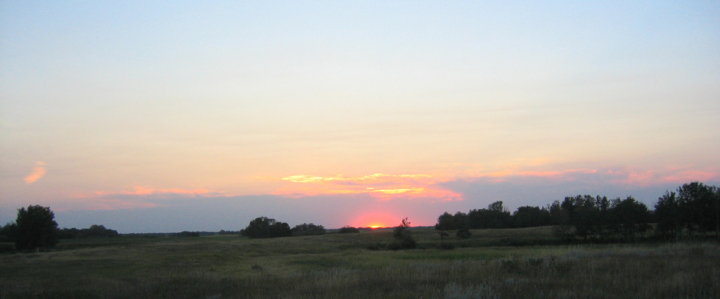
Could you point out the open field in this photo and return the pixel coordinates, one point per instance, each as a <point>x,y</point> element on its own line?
<point>341,266</point>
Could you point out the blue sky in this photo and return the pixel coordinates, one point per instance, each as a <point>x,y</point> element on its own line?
<point>105,106</point>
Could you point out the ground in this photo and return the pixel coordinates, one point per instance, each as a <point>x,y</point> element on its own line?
<point>502,263</point>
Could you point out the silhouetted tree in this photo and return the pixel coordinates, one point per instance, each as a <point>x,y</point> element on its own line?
<point>495,216</point>
<point>528,216</point>
<point>667,211</point>
<point>8,232</point>
<point>94,231</point>
<point>694,208</point>
<point>629,217</point>
<point>444,224</point>
<point>36,229</point>
<point>263,227</point>
<point>460,220</point>
<point>308,229</point>
<point>403,235</point>
<point>697,207</point>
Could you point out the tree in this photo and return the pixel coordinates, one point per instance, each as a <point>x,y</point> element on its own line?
<point>528,216</point>
<point>36,229</point>
<point>666,216</point>
<point>629,217</point>
<point>263,227</point>
<point>308,229</point>
<point>694,208</point>
<point>444,224</point>
<point>403,235</point>
<point>697,207</point>
<point>8,232</point>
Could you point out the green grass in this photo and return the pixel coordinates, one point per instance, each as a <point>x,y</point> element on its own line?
<point>341,266</point>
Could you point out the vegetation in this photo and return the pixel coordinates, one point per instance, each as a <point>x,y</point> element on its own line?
<point>338,265</point>
<point>35,229</point>
<point>403,235</point>
<point>691,211</point>
<point>308,229</point>
<point>497,255</point>
<point>8,232</point>
<point>263,227</point>
<point>348,230</point>
<point>94,231</point>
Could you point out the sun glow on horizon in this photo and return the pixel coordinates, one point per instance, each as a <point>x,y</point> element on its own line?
<point>375,220</point>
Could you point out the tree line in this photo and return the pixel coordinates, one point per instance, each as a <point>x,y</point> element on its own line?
<point>264,227</point>
<point>35,229</point>
<point>693,210</point>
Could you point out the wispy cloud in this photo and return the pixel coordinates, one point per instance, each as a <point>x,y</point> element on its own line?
<point>37,172</point>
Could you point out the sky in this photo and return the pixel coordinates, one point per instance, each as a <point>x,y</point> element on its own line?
<point>164,116</point>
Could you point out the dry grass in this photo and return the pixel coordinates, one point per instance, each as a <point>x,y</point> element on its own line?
<point>338,266</point>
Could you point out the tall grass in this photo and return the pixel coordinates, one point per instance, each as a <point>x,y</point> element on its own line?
<point>227,268</point>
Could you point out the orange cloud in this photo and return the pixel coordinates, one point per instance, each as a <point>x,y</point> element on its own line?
<point>383,186</point>
<point>37,173</point>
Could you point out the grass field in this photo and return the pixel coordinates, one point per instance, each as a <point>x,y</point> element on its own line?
<point>489,265</point>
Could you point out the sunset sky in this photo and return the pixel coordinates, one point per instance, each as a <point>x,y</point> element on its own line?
<point>164,116</point>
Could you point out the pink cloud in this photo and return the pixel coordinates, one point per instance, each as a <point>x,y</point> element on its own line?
<point>37,172</point>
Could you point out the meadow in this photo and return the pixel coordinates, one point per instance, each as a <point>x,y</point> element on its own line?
<point>493,263</point>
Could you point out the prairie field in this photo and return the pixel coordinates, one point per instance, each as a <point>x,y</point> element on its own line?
<point>493,263</point>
